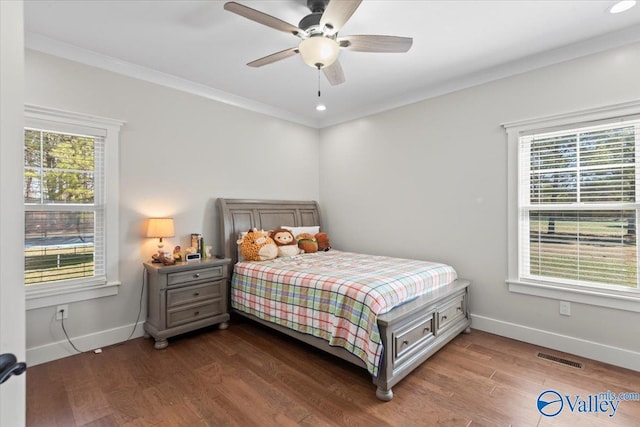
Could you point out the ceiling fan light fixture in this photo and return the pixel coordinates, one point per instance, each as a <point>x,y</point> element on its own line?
<point>319,52</point>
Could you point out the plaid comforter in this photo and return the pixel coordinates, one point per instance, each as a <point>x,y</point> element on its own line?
<point>336,296</point>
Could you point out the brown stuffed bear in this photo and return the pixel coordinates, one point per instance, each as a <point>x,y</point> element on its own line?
<point>323,241</point>
<point>286,243</point>
<point>307,243</point>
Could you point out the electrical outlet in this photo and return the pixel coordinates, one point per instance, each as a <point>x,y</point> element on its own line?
<point>62,312</point>
<point>565,308</point>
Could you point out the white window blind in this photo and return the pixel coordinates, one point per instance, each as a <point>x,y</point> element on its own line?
<point>578,210</point>
<point>64,204</point>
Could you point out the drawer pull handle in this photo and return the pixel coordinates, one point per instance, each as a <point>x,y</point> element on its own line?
<point>427,329</point>
<point>196,275</point>
<point>459,308</point>
<point>195,294</point>
<point>444,317</point>
<point>196,313</point>
<point>405,342</point>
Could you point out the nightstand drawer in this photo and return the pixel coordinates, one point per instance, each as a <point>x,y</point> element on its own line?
<point>194,312</point>
<point>194,293</point>
<point>450,312</point>
<point>412,337</point>
<point>191,276</point>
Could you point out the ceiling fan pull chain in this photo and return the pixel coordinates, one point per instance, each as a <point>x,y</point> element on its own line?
<point>318,81</point>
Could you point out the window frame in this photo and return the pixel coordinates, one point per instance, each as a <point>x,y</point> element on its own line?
<point>52,293</point>
<point>622,299</point>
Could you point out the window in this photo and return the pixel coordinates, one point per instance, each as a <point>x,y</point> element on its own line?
<point>578,205</point>
<point>574,205</point>
<point>70,190</point>
<point>63,206</point>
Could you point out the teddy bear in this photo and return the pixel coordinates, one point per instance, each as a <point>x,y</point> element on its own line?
<point>256,245</point>
<point>286,243</point>
<point>323,241</point>
<point>307,243</point>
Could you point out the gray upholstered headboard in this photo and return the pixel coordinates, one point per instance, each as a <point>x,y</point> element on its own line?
<point>238,215</point>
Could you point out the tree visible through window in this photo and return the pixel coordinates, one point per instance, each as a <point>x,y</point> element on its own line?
<point>578,205</point>
<point>61,205</point>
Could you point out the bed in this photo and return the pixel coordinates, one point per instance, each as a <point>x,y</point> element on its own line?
<point>409,332</point>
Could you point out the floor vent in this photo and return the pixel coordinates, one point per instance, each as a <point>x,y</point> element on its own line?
<point>560,360</point>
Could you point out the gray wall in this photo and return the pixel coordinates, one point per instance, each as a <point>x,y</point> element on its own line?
<point>425,181</point>
<point>178,152</point>
<point>429,180</point>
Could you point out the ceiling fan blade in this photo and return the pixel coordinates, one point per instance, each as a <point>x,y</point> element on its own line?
<point>273,57</point>
<point>370,43</point>
<point>334,73</point>
<point>261,18</point>
<point>338,13</point>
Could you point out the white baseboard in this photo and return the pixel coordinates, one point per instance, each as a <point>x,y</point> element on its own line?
<point>60,349</point>
<point>589,349</point>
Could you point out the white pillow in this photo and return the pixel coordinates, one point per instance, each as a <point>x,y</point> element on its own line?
<point>296,231</point>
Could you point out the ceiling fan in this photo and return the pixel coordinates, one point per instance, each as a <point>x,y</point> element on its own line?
<point>318,31</point>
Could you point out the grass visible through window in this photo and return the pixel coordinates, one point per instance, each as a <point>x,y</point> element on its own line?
<point>53,263</point>
<point>593,251</point>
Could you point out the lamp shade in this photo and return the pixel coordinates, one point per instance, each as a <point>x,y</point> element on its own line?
<point>160,227</point>
<point>319,51</point>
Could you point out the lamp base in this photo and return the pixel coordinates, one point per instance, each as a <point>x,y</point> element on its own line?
<point>157,257</point>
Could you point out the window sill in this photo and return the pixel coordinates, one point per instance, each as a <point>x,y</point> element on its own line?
<point>619,300</point>
<point>50,295</point>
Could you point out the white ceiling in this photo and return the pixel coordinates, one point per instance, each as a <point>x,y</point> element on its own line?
<point>199,47</point>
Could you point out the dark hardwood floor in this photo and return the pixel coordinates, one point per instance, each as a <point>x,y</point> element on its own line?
<point>248,375</point>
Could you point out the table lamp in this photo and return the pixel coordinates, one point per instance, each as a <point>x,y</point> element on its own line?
<point>160,228</point>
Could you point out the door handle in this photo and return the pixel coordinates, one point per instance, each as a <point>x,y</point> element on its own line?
<point>9,366</point>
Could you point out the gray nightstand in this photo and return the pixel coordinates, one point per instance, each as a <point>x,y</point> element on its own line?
<point>186,296</point>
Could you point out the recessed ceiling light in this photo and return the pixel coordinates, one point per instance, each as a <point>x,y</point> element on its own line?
<point>622,6</point>
<point>321,107</point>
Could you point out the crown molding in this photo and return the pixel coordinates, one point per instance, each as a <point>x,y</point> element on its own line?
<point>612,40</point>
<point>40,43</point>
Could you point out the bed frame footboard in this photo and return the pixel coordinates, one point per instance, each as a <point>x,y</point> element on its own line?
<point>416,330</point>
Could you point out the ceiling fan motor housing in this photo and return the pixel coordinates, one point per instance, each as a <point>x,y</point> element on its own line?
<point>317,6</point>
<point>310,21</point>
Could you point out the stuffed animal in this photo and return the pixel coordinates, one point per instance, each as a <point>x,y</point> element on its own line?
<point>286,243</point>
<point>323,241</point>
<point>307,243</point>
<point>256,245</point>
